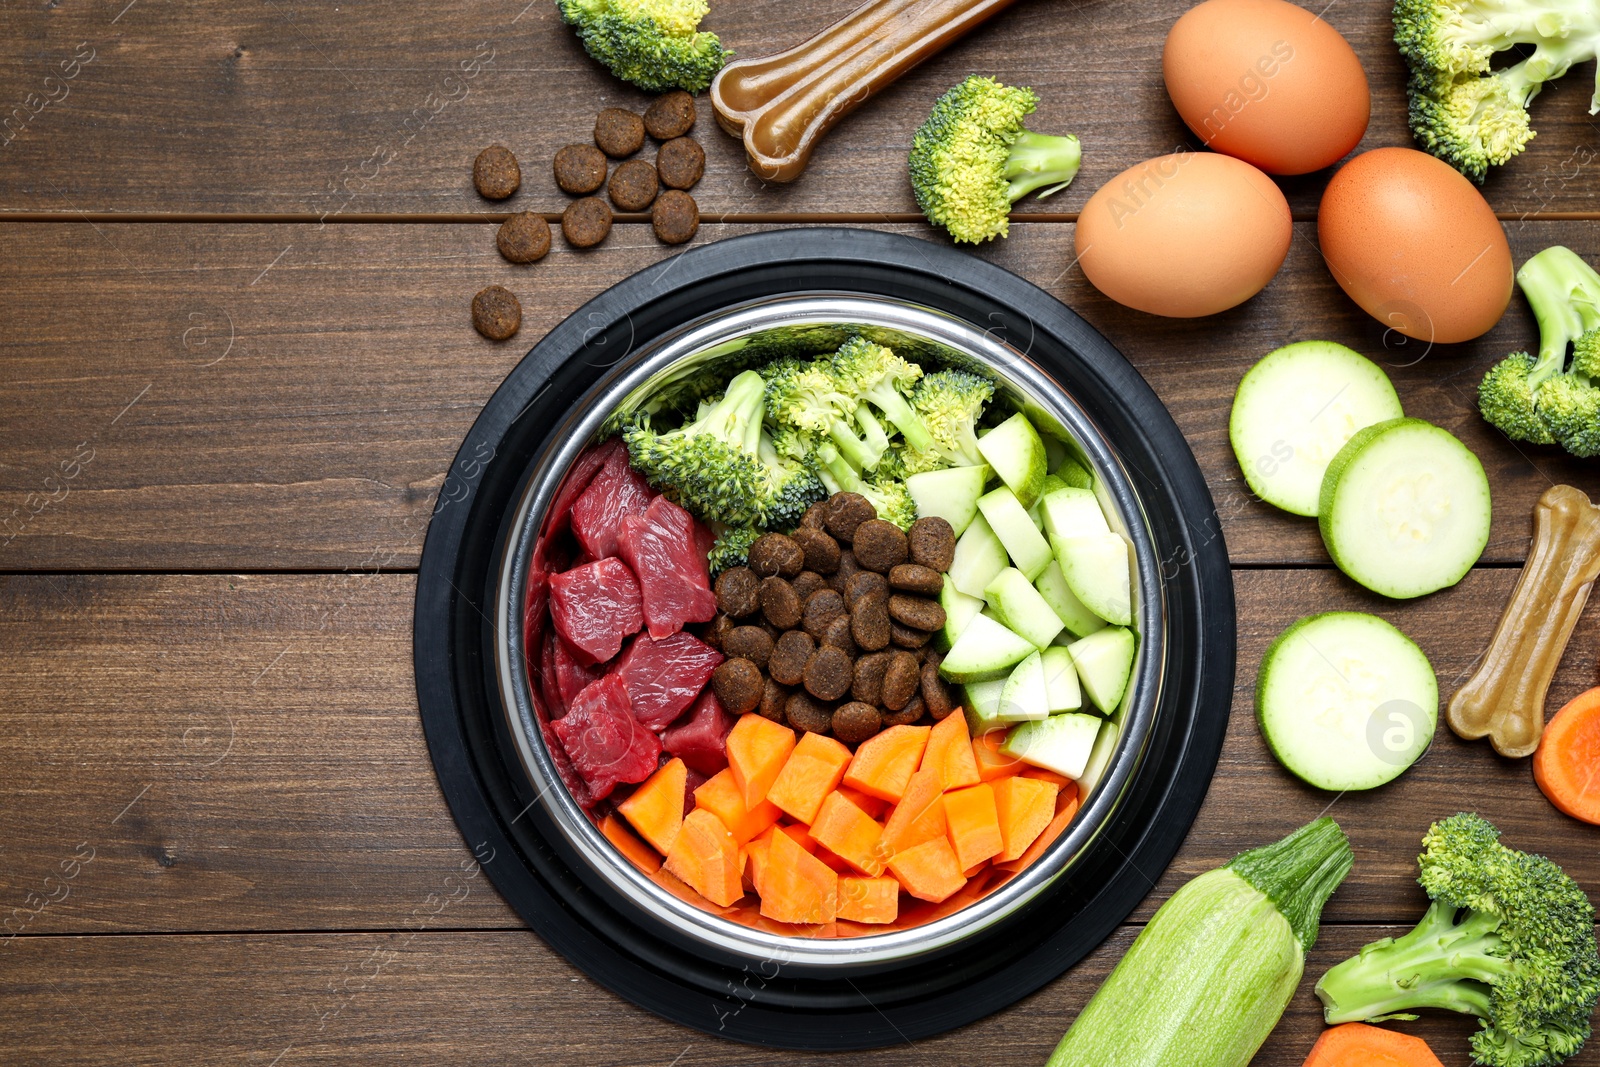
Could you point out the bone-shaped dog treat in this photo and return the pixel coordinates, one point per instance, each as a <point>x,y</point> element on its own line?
<point>781,105</point>
<point>1505,699</point>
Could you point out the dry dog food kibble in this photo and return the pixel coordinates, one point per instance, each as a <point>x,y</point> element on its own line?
<point>790,652</point>
<point>780,604</point>
<point>906,715</point>
<point>933,543</point>
<point>738,592</point>
<point>838,635</point>
<point>675,217</point>
<point>808,582</point>
<point>805,712</point>
<point>845,512</point>
<point>681,162</point>
<point>812,518</point>
<point>915,578</point>
<point>633,185</point>
<point>935,694</point>
<point>917,612</point>
<point>580,169</point>
<point>867,686</point>
<point>829,673</point>
<point>900,680</point>
<point>775,554</point>
<point>773,700</point>
<point>848,569</point>
<point>869,621</point>
<point>748,642</point>
<point>864,583</point>
<point>495,173</point>
<point>906,637</point>
<point>738,685</point>
<point>670,115</point>
<point>619,133</point>
<point>586,222</point>
<point>879,546</point>
<point>855,722</point>
<point>523,238</point>
<point>821,609</point>
<point>496,313</point>
<point>719,628</point>
<point>821,550</point>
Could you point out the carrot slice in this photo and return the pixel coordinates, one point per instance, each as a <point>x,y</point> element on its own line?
<point>813,770</point>
<point>991,762</point>
<point>928,871</point>
<point>868,900</point>
<point>973,823</point>
<point>656,808</point>
<point>1025,805</point>
<point>720,795</point>
<point>706,857</point>
<point>847,832</point>
<point>884,764</point>
<point>874,807</point>
<point>1066,811</point>
<point>1360,1045</point>
<point>1567,762</point>
<point>950,752</point>
<point>1060,781</point>
<point>637,852</point>
<point>796,887</point>
<point>919,816</point>
<point>757,751</point>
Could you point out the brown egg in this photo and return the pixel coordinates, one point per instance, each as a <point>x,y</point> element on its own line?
<point>1416,245</point>
<point>1184,235</point>
<point>1268,82</point>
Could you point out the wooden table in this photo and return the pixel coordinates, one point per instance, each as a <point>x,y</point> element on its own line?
<point>239,244</point>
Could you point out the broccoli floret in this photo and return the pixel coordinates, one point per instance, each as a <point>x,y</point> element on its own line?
<point>1540,399</point>
<point>805,397</point>
<point>731,549</point>
<point>875,376</point>
<point>888,495</point>
<point>950,402</point>
<point>651,43</point>
<point>792,485</point>
<point>1462,112</point>
<point>973,159</point>
<point>1508,938</point>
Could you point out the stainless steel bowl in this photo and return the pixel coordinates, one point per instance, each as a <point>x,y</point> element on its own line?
<point>729,338</point>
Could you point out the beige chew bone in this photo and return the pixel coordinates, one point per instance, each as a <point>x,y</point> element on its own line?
<point>1505,698</point>
<point>781,105</point>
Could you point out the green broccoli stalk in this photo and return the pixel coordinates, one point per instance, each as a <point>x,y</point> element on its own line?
<point>973,158</point>
<point>805,397</point>
<point>1462,111</point>
<point>1508,938</point>
<point>889,496</point>
<point>950,402</point>
<point>1541,400</point>
<point>874,375</point>
<point>731,549</point>
<point>650,43</point>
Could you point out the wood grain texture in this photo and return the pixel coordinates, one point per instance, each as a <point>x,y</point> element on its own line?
<point>297,393</point>
<point>244,753</point>
<point>380,107</point>
<point>491,997</point>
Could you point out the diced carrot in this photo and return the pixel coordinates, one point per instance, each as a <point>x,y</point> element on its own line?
<point>1039,774</point>
<point>868,900</point>
<point>796,887</point>
<point>757,751</point>
<point>1566,765</point>
<point>992,763</point>
<point>973,824</point>
<point>813,770</point>
<point>884,764</point>
<point>720,795</point>
<point>637,852</point>
<point>949,751</point>
<point>874,807</point>
<point>835,862</point>
<point>846,831</point>
<point>706,856</point>
<point>919,816</point>
<point>929,871</point>
<point>1025,805</point>
<point>656,808</point>
<point>1066,810</point>
<point>801,836</point>
<point>1360,1045</point>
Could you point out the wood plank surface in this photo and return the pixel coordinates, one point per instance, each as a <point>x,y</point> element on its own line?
<point>244,753</point>
<point>279,397</point>
<point>491,997</point>
<point>263,106</point>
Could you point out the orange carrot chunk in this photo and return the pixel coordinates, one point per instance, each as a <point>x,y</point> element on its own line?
<point>884,764</point>
<point>637,852</point>
<point>847,832</point>
<point>1025,805</point>
<point>949,752</point>
<point>874,807</point>
<point>706,857</point>
<point>919,816</point>
<point>991,762</point>
<point>720,795</point>
<point>1360,1045</point>
<point>1567,762</point>
<point>1066,811</point>
<point>814,768</point>
<point>929,871</point>
<point>1060,781</point>
<point>757,751</point>
<point>868,900</point>
<point>973,823</point>
<point>656,808</point>
<point>796,887</point>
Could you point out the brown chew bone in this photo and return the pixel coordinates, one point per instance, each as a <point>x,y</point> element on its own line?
<point>781,105</point>
<point>1505,698</point>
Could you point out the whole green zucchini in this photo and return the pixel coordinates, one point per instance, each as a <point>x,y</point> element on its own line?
<point>1209,977</point>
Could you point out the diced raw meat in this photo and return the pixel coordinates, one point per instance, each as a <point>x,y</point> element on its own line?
<point>692,780</point>
<point>595,606</point>
<point>572,676</point>
<point>535,617</point>
<point>701,740</point>
<point>661,547</point>
<point>570,777</point>
<point>579,475</point>
<point>606,743</point>
<point>549,678</point>
<point>663,677</point>
<point>617,491</point>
